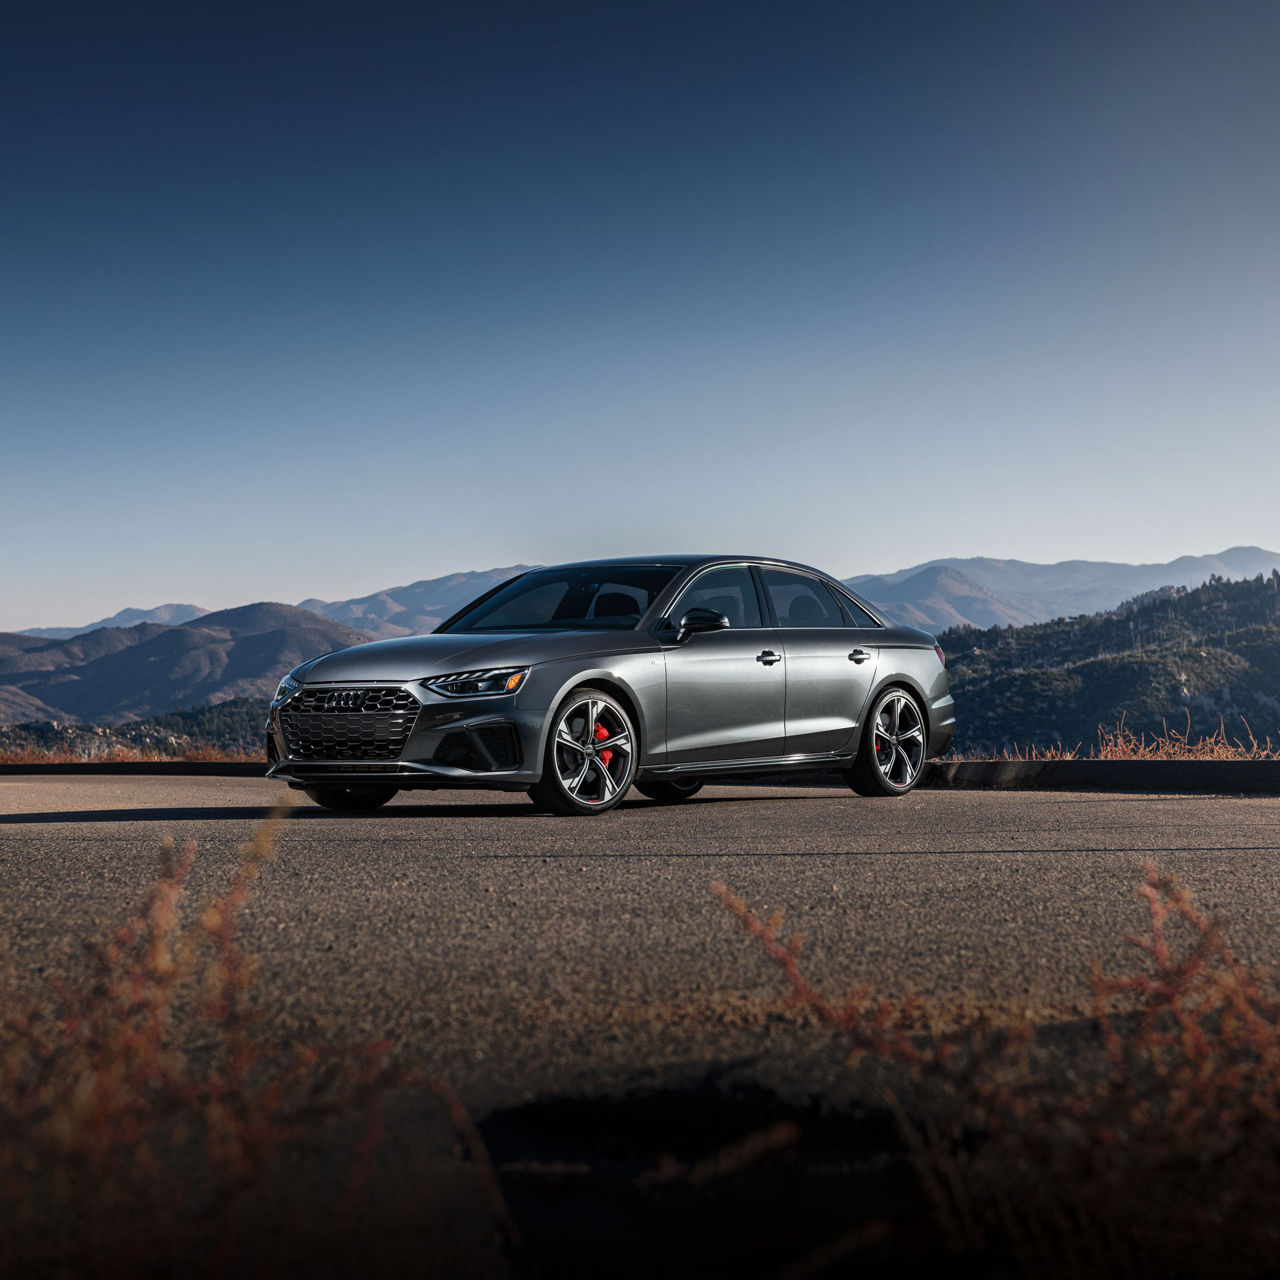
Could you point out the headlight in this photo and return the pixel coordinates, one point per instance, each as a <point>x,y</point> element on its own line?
<point>473,684</point>
<point>287,686</point>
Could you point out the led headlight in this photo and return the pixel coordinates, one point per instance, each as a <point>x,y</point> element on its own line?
<point>287,686</point>
<point>476,684</point>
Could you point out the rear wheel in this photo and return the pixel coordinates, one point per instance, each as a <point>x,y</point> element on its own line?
<point>894,745</point>
<point>591,755</point>
<point>356,799</point>
<point>670,791</point>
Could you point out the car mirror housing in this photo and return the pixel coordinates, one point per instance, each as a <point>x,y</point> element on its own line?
<point>696,620</point>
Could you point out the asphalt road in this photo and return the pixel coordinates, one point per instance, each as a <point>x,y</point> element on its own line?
<point>519,954</point>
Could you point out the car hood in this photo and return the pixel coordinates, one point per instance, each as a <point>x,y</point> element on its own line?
<point>412,657</point>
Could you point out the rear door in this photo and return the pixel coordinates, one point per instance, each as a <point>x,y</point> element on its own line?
<point>726,690</point>
<point>831,666</point>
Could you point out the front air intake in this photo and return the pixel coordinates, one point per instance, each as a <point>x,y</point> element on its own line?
<point>483,748</point>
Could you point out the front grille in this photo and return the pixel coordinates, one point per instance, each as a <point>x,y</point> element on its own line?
<point>348,723</point>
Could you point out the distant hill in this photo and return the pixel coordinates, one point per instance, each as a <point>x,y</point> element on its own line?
<point>1212,652</point>
<point>990,592</point>
<point>940,597</point>
<point>415,609</point>
<point>977,592</point>
<point>168,614</point>
<point>1016,685</point>
<point>115,674</point>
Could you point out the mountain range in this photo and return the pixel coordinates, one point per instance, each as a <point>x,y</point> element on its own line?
<point>123,673</point>
<point>413,610</point>
<point>1186,660</point>
<point>167,614</point>
<point>981,592</point>
<point>974,592</point>
<point>110,674</point>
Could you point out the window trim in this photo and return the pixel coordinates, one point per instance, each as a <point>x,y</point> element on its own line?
<point>836,594</point>
<point>842,595</point>
<point>669,615</point>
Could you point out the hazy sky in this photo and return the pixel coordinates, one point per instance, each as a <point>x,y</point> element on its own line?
<point>315,300</point>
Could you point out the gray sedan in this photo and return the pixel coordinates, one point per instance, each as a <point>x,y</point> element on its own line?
<point>578,682</point>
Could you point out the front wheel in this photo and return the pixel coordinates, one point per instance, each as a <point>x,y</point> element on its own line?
<point>590,758</point>
<point>351,799</point>
<point>668,790</point>
<point>894,746</point>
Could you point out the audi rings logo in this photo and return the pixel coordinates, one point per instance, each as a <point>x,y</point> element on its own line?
<point>344,700</point>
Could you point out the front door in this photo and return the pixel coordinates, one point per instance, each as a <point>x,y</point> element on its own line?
<point>726,690</point>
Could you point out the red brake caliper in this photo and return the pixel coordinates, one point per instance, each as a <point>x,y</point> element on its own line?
<point>600,735</point>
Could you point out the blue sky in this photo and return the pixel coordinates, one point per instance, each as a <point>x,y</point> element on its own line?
<point>309,301</point>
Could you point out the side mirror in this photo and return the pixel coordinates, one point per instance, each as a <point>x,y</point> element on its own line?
<point>697,620</point>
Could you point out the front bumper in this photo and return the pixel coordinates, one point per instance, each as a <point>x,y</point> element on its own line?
<point>491,742</point>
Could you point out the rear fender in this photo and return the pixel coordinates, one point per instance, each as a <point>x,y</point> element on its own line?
<point>922,675</point>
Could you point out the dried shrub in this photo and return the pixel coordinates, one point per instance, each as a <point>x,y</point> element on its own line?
<point>222,755</point>
<point>1120,743</point>
<point>142,1108</point>
<point>1174,744</point>
<point>118,754</point>
<point>1156,1151</point>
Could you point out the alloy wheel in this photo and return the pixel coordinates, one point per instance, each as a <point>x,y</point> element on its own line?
<point>593,751</point>
<point>898,741</point>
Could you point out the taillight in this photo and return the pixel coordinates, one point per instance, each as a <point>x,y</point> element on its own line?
<point>942,657</point>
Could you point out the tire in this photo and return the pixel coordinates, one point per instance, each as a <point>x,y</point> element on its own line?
<point>357,799</point>
<point>590,758</point>
<point>668,791</point>
<point>895,745</point>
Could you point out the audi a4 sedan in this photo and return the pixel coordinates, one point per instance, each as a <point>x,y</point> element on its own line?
<point>579,682</point>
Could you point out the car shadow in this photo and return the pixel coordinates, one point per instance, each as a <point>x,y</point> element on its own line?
<point>307,812</point>
<point>259,813</point>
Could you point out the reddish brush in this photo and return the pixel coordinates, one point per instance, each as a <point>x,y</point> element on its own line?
<point>145,1093</point>
<point>117,754</point>
<point>1161,1141</point>
<point>1122,743</point>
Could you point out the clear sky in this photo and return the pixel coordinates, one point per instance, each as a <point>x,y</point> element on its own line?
<point>316,300</point>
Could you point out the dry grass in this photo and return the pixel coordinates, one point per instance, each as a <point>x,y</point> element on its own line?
<point>1121,743</point>
<point>142,1109</point>
<point>117,754</point>
<point>1158,1152</point>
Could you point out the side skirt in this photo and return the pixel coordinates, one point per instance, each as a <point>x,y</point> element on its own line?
<point>761,765</point>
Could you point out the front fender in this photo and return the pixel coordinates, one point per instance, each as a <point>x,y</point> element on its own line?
<point>638,681</point>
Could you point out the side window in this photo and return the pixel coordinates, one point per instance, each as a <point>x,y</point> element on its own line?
<point>730,591</point>
<point>801,601</point>
<point>857,615</point>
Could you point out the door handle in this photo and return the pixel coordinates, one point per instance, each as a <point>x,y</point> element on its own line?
<point>768,657</point>
<point>859,655</point>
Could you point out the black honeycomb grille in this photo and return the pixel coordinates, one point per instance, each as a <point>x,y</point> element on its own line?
<point>348,723</point>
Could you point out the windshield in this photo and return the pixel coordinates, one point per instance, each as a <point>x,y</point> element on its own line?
<point>581,597</point>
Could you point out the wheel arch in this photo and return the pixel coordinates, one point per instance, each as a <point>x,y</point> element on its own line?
<point>607,682</point>
<point>898,680</point>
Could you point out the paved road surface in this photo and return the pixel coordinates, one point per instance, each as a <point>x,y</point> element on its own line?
<point>517,953</point>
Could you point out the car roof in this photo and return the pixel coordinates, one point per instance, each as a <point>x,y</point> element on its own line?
<point>685,560</point>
